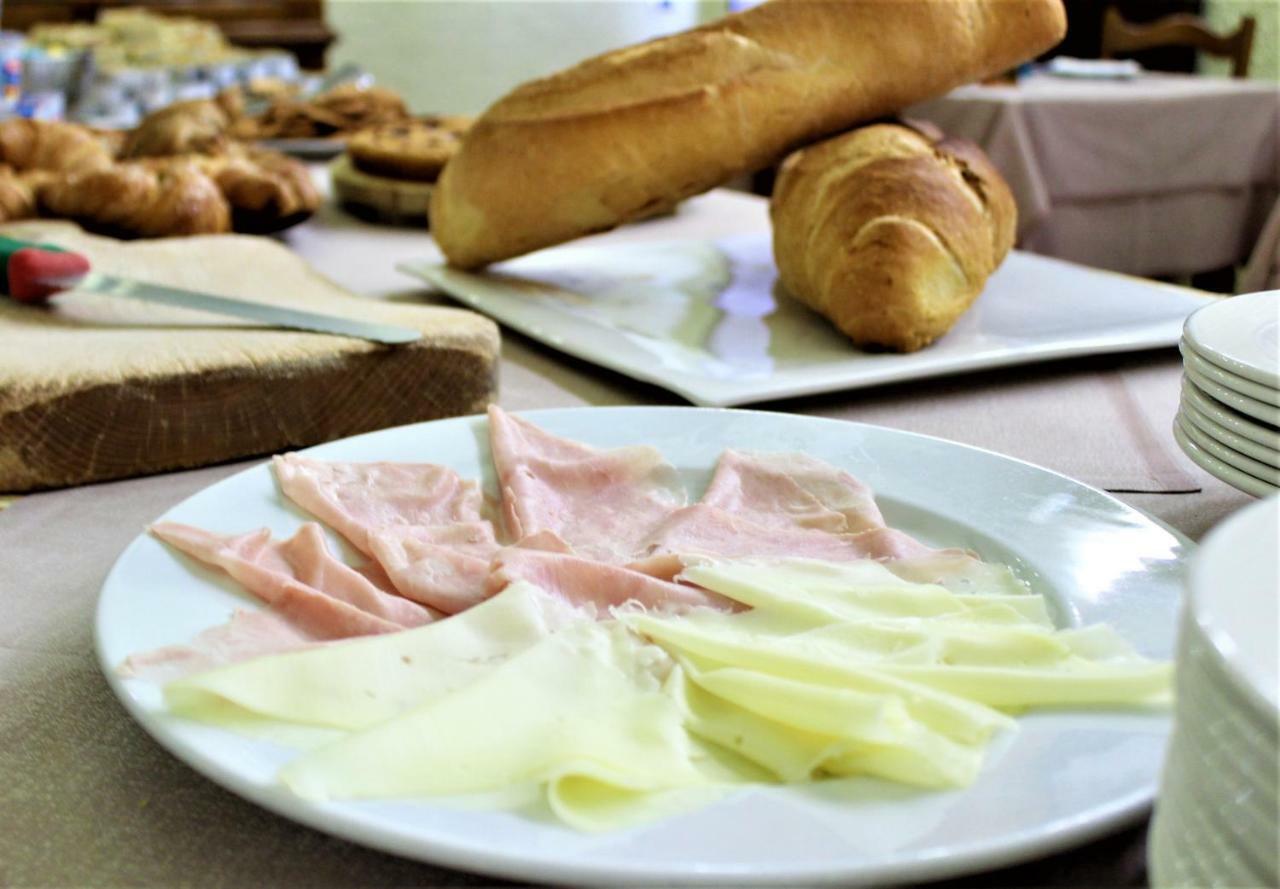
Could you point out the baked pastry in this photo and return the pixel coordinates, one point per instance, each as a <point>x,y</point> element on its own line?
<point>17,196</point>
<point>51,145</point>
<point>889,232</point>
<point>138,200</point>
<point>265,190</point>
<point>341,110</point>
<point>610,139</point>
<point>416,150</point>
<point>195,127</point>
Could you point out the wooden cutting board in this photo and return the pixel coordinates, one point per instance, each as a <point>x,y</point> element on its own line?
<point>97,387</point>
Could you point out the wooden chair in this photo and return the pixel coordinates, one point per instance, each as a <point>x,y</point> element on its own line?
<point>1120,37</point>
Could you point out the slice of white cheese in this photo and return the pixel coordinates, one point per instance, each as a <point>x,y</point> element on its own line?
<point>583,711</point>
<point>359,682</point>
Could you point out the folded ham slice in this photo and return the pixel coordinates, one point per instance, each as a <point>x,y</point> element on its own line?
<point>706,530</point>
<point>301,580</point>
<point>791,490</point>
<point>358,499</point>
<point>603,504</point>
<point>597,585</point>
<point>444,566</point>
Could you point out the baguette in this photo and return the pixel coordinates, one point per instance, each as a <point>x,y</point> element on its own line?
<point>612,138</point>
<point>889,232</point>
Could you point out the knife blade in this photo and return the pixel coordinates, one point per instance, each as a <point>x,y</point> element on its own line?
<point>32,273</point>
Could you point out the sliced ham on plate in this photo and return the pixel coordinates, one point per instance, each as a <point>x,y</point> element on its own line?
<point>301,580</point>
<point>444,566</point>
<point>702,530</point>
<point>249,634</point>
<point>602,503</point>
<point>358,499</point>
<point>791,490</point>
<point>597,585</point>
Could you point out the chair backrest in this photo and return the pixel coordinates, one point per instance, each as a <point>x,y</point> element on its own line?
<point>1120,37</point>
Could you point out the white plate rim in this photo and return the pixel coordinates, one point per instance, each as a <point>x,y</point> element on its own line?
<point>1200,331</point>
<point>1233,381</point>
<point>1229,417</point>
<point>1223,472</point>
<point>1226,437</point>
<point>1243,403</point>
<point>1226,454</point>
<point>1220,634</point>
<point>1010,848</point>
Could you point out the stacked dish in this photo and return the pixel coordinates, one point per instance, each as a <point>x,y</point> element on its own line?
<point>1216,819</point>
<point>1229,420</point>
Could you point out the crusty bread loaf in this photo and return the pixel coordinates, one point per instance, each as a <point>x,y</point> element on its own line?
<point>890,232</point>
<point>617,135</point>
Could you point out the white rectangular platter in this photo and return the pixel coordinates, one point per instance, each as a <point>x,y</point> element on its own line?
<point>704,318</point>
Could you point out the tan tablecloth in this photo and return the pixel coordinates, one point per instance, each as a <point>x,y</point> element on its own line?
<point>87,799</point>
<point>1162,174</point>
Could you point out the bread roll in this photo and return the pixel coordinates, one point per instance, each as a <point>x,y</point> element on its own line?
<point>889,232</point>
<point>612,138</point>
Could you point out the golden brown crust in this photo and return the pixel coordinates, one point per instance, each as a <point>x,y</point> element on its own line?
<point>139,201</point>
<point>196,127</point>
<point>17,196</point>
<point>341,110</point>
<point>51,145</point>
<point>888,233</point>
<point>606,141</point>
<point>415,150</point>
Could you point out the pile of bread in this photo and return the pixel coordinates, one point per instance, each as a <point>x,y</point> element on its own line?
<point>890,231</point>
<point>179,172</point>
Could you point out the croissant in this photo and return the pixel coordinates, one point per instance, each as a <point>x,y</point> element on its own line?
<point>17,197</point>
<point>51,145</point>
<point>890,233</point>
<point>198,127</point>
<point>136,200</point>
<point>265,190</point>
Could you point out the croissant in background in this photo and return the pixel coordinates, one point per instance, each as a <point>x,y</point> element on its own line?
<point>51,145</point>
<point>889,232</point>
<point>199,126</point>
<point>137,200</point>
<point>17,196</point>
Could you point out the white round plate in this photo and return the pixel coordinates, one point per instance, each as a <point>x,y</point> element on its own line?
<point>1241,335</point>
<point>1241,481</point>
<point>1232,598</point>
<point>1218,432</point>
<point>1261,471</point>
<point>1064,777</point>
<point>1236,383</point>
<point>1257,409</point>
<point>1231,419</point>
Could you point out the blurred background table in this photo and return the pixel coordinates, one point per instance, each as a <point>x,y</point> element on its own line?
<point>1161,174</point>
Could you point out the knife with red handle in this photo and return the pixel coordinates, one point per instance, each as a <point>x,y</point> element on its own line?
<point>32,273</point>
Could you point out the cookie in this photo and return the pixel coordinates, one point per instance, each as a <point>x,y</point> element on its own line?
<point>412,150</point>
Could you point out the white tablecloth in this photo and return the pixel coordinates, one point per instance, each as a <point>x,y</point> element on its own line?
<point>1158,175</point>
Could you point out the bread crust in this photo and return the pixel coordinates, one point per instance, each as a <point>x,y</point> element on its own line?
<point>890,233</point>
<point>606,141</point>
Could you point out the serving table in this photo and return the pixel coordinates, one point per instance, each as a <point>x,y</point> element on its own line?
<point>87,798</point>
<point>1161,174</point>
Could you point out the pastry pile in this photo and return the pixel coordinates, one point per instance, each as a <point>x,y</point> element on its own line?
<point>178,173</point>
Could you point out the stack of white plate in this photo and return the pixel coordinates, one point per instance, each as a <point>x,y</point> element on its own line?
<point>1216,819</point>
<point>1229,420</point>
